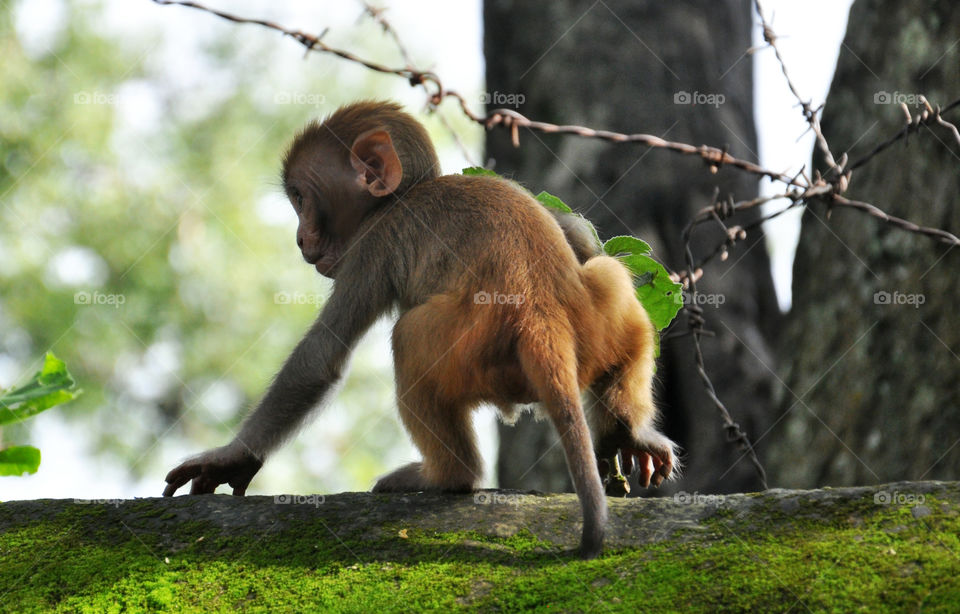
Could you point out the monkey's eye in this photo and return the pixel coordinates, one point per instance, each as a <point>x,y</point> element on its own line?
<point>297,199</point>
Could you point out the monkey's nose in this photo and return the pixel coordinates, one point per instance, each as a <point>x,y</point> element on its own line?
<point>300,242</point>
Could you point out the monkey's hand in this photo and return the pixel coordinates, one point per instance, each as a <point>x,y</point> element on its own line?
<point>232,464</point>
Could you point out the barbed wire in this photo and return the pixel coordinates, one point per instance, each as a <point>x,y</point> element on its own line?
<point>508,118</point>
<point>822,188</point>
<point>913,124</point>
<point>801,190</point>
<point>695,325</point>
<point>377,14</point>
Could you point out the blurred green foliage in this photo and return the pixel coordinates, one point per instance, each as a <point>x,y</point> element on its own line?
<point>50,386</point>
<point>144,240</point>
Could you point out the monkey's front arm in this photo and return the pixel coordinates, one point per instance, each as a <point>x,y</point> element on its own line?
<point>307,376</point>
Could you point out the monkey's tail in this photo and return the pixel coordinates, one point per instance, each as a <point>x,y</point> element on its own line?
<point>579,233</point>
<point>548,358</point>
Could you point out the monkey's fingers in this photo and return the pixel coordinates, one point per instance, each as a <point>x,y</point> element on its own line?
<point>243,475</point>
<point>646,469</point>
<point>626,462</point>
<point>171,488</point>
<point>180,476</point>
<point>204,484</point>
<point>239,485</point>
<point>667,470</point>
<point>658,473</point>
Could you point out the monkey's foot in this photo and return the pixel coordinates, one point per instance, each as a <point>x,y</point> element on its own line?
<point>410,478</point>
<point>651,454</point>
<point>655,457</point>
<point>405,479</point>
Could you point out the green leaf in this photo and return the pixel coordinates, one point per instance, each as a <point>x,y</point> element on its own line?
<point>552,202</point>
<point>51,386</point>
<point>644,279</point>
<point>625,245</point>
<point>659,295</point>
<point>18,460</point>
<point>475,171</point>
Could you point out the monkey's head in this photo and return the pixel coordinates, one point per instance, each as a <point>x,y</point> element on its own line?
<point>337,172</point>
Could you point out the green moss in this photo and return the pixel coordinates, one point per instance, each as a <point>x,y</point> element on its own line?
<point>818,558</point>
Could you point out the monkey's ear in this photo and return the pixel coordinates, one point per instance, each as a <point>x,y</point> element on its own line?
<point>378,168</point>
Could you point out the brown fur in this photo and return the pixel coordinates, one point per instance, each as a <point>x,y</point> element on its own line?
<point>432,247</point>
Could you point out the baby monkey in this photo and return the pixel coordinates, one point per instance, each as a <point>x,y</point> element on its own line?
<point>500,302</point>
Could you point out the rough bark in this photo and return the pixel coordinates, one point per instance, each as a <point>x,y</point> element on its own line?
<point>871,375</point>
<point>620,65</point>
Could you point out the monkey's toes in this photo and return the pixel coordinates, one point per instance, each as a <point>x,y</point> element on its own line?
<point>405,479</point>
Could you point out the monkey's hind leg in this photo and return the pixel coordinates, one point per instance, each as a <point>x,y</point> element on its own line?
<point>623,419</point>
<point>440,428</point>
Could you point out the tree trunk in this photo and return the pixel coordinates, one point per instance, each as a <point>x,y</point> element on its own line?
<point>872,349</point>
<point>632,67</point>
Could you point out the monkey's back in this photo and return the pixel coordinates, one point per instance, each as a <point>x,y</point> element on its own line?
<point>490,257</point>
<point>479,234</point>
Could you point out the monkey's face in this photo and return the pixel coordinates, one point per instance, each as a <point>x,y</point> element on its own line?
<point>329,207</point>
<point>333,187</point>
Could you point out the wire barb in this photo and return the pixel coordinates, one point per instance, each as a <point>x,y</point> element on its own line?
<point>800,190</point>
